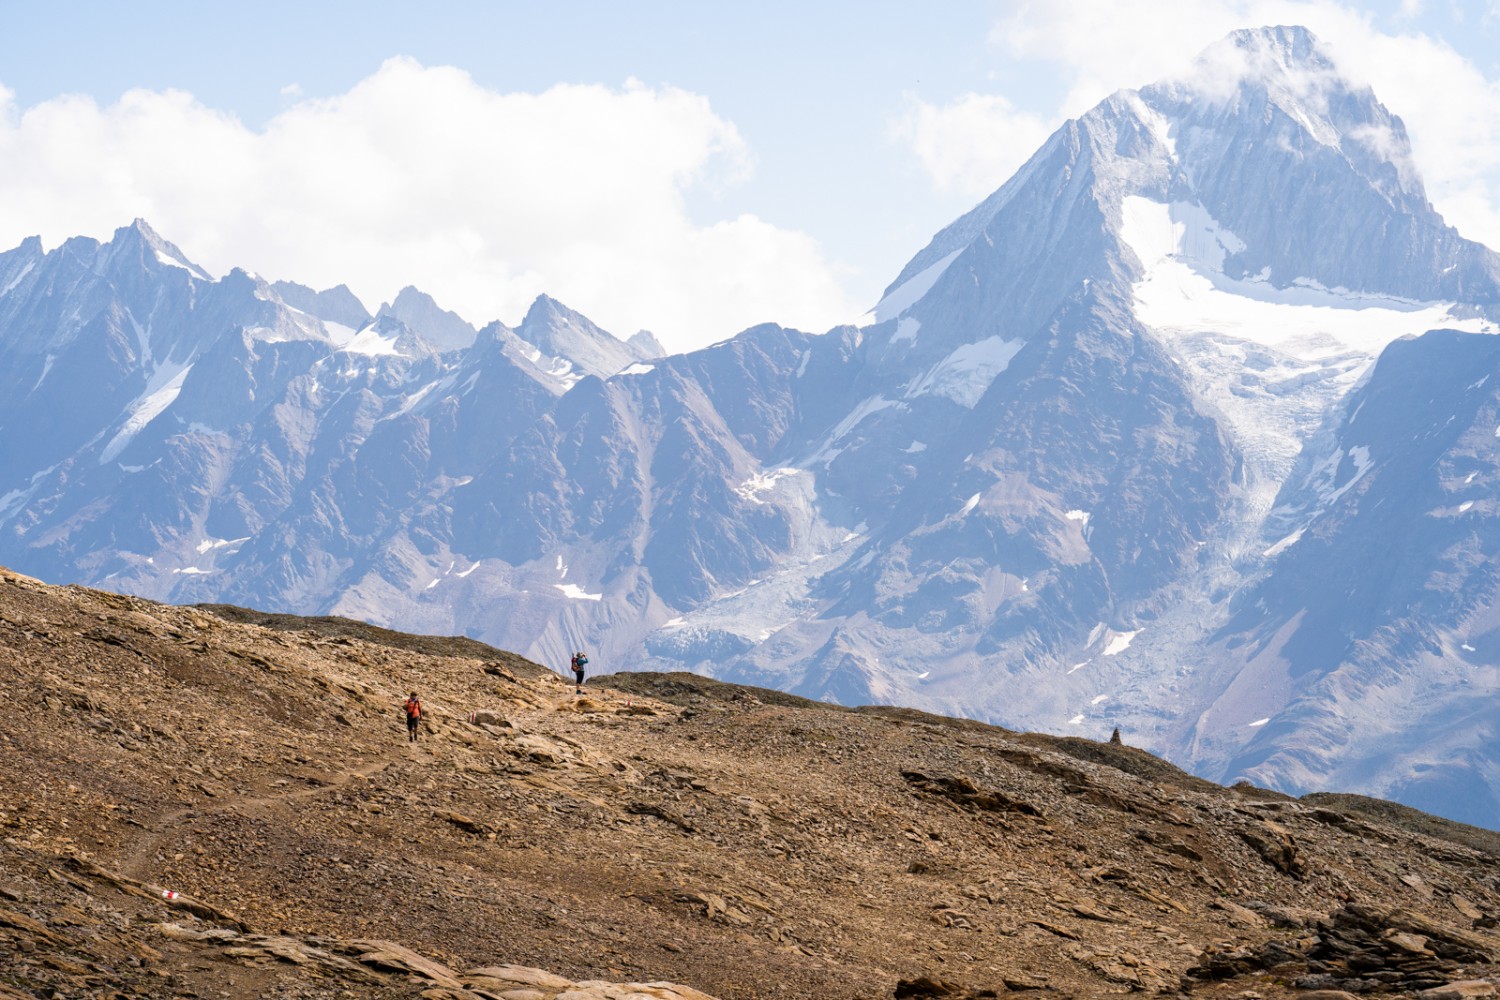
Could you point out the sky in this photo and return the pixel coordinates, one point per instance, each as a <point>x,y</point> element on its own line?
<point>688,168</point>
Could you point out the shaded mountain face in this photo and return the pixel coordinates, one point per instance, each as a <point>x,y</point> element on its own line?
<point>417,310</point>
<point>1113,449</point>
<point>1382,590</point>
<point>332,305</point>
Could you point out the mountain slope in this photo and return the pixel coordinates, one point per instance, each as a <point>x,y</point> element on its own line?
<point>1382,591</point>
<point>1268,325</point>
<point>741,841</point>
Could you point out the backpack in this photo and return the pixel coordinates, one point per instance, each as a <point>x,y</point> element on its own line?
<point>413,708</point>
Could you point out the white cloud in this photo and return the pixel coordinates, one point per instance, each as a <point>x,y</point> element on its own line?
<point>420,176</point>
<point>1451,110</point>
<point>971,145</point>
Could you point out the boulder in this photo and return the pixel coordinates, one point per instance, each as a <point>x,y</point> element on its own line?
<point>1461,990</point>
<point>496,670</point>
<point>465,823</point>
<point>1276,845</point>
<point>486,717</point>
<point>516,975</point>
<point>392,957</point>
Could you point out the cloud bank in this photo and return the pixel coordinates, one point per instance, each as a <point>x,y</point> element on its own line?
<point>418,175</point>
<point>972,145</point>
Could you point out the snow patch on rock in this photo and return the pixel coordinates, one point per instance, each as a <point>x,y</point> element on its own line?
<point>764,482</point>
<point>161,392</point>
<point>909,292</point>
<point>1119,642</point>
<point>1283,545</point>
<point>906,329</point>
<point>372,343</point>
<point>577,593</point>
<point>964,375</point>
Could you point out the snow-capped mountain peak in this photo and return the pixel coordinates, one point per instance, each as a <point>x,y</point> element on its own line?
<point>1285,64</point>
<point>568,338</point>
<point>1291,71</point>
<point>1158,435</point>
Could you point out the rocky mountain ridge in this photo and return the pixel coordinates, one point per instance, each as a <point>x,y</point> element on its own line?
<point>1126,444</point>
<point>222,803</point>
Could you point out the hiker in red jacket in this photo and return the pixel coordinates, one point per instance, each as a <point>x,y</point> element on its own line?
<point>413,709</point>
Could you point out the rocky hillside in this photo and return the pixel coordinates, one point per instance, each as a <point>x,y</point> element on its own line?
<point>210,802</point>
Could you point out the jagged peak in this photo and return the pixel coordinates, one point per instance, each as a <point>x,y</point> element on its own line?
<point>1289,68</point>
<point>140,233</point>
<point>492,333</point>
<point>441,327</point>
<point>1287,43</point>
<point>1230,84</point>
<point>152,245</point>
<point>544,306</point>
<point>644,343</point>
<point>17,263</point>
<point>248,279</point>
<point>1288,63</point>
<point>411,300</point>
<point>547,312</point>
<point>1266,55</point>
<point>142,230</point>
<point>409,295</point>
<point>79,246</point>
<point>563,333</point>
<point>336,305</point>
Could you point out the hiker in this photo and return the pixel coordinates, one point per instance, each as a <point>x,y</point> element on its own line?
<point>579,661</point>
<point>413,709</point>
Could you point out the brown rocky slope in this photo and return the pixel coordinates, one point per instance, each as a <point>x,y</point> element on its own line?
<point>661,830</point>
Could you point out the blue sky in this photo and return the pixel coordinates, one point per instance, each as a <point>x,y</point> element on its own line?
<point>688,168</point>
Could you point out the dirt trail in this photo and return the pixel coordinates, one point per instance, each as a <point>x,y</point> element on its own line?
<point>139,857</point>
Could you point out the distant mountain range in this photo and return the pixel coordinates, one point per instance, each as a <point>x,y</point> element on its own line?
<point>1190,428</point>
